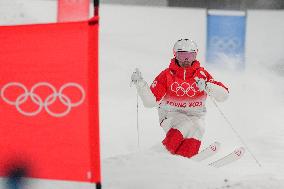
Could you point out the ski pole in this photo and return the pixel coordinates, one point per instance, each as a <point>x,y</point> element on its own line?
<point>137,116</point>
<point>137,120</point>
<point>234,130</point>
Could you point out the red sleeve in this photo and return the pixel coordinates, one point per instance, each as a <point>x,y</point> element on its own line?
<point>159,85</point>
<point>202,73</point>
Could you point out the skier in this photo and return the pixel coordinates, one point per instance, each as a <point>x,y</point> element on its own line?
<point>179,92</point>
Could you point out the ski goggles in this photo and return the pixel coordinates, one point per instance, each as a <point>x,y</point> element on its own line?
<point>185,56</point>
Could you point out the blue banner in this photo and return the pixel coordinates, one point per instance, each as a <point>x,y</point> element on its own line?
<point>226,37</point>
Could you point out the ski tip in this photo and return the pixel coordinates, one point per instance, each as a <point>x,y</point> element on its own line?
<point>215,146</point>
<point>240,151</point>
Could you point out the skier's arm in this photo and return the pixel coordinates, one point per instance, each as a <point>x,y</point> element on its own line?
<point>146,94</point>
<point>159,86</point>
<point>143,89</point>
<point>215,89</point>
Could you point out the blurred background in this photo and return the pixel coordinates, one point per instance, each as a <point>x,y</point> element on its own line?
<point>211,4</point>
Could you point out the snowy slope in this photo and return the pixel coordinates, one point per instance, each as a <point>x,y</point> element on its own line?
<point>255,107</point>
<point>149,169</point>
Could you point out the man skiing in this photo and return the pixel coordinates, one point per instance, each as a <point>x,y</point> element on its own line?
<point>180,92</point>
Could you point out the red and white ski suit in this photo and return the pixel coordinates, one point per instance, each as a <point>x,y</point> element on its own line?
<point>181,105</point>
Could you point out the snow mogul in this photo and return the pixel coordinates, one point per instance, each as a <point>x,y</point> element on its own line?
<point>179,92</point>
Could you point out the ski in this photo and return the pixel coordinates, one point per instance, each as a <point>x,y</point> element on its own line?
<point>207,152</point>
<point>232,157</point>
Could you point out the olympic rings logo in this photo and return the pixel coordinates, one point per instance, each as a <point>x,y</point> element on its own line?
<point>239,151</point>
<point>213,147</point>
<point>39,101</point>
<point>222,44</point>
<point>184,89</point>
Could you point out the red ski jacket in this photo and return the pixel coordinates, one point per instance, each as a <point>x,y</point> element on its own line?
<point>176,88</point>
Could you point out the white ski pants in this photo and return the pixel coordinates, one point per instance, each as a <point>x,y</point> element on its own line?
<point>189,126</point>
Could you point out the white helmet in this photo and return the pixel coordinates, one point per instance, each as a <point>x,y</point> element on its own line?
<point>186,45</point>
